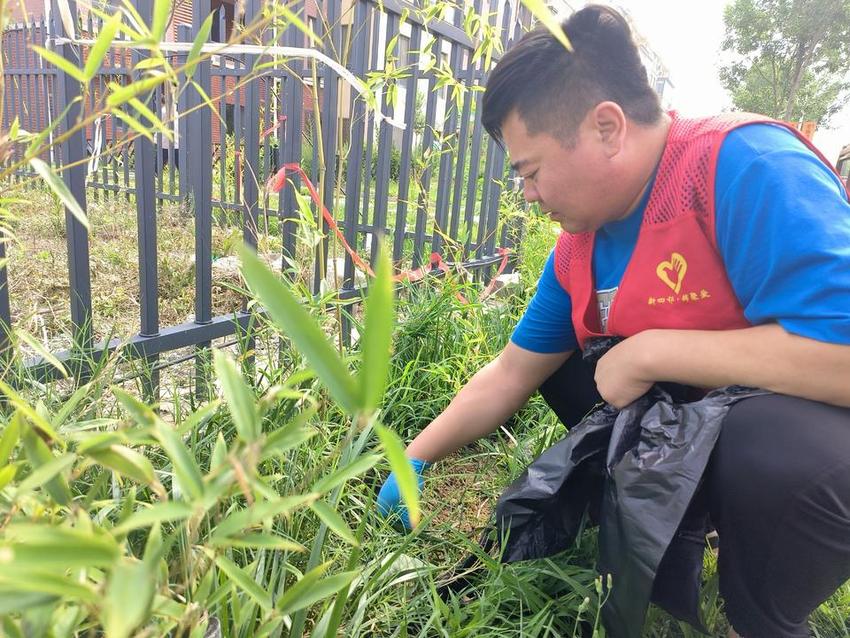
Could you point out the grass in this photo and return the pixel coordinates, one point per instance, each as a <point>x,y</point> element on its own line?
<point>439,343</point>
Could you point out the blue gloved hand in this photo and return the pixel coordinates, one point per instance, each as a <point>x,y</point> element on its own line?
<point>389,498</point>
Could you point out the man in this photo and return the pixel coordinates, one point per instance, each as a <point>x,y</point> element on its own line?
<point>720,249</point>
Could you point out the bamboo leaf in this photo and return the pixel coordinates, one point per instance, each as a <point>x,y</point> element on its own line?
<point>12,601</point>
<point>290,17</point>
<point>129,594</point>
<point>377,337</point>
<point>44,133</point>
<point>101,46</point>
<point>133,123</point>
<point>143,109</point>
<point>408,484</point>
<point>258,513</point>
<point>157,513</point>
<point>258,541</point>
<point>27,411</point>
<point>199,417</point>
<point>161,13</point>
<point>70,405</point>
<point>133,16</point>
<point>51,468</point>
<point>141,412</point>
<point>125,461</point>
<point>244,581</point>
<point>25,580</point>
<point>296,322</point>
<point>185,467</point>
<point>311,588</point>
<point>7,474</point>
<point>330,517</point>
<point>8,440</point>
<point>120,94</point>
<point>290,435</point>
<point>540,11</point>
<point>60,63</point>
<point>67,18</point>
<point>219,453</point>
<point>55,183</point>
<point>48,474</point>
<point>203,35</point>
<point>207,101</point>
<point>356,468</point>
<point>32,545</point>
<point>239,397</point>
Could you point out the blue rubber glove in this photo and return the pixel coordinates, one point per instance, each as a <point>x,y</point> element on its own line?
<point>389,498</point>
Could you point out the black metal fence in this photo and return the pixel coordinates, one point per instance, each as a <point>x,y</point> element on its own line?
<point>448,175</point>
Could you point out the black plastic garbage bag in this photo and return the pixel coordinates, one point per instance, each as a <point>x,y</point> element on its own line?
<point>636,472</point>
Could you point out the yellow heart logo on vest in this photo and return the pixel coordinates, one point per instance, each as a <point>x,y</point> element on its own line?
<point>673,272</point>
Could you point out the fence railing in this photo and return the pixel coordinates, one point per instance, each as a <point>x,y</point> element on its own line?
<point>438,181</point>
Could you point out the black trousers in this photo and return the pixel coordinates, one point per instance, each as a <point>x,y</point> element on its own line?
<point>778,488</point>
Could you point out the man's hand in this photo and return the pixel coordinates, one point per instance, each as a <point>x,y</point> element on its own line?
<point>621,373</point>
<point>389,498</point>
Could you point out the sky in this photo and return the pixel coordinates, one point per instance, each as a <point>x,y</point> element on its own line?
<point>687,34</point>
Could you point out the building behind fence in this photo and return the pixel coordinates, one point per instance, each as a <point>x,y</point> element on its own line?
<point>221,161</point>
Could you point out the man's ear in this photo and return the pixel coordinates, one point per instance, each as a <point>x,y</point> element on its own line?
<point>609,123</point>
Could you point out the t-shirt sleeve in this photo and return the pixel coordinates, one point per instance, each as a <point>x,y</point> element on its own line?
<point>783,230</point>
<point>546,327</point>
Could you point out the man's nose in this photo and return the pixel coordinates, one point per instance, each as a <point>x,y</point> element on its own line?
<point>529,191</point>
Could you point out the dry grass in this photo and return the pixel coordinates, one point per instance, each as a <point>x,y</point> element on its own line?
<point>38,267</point>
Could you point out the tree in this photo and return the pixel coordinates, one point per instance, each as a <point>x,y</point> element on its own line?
<point>789,57</point>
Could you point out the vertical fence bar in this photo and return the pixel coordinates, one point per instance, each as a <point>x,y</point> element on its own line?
<point>184,34</point>
<point>372,65</point>
<point>251,168</point>
<point>222,142</point>
<point>469,77</point>
<point>267,85</point>
<point>446,157</point>
<point>385,142</point>
<point>359,44</point>
<point>5,307</point>
<point>293,107</point>
<point>199,148</point>
<point>498,166</point>
<point>355,153</point>
<point>29,28</point>
<point>161,110</point>
<point>23,83</point>
<point>472,178</point>
<point>238,134</point>
<point>328,94</point>
<point>73,151</point>
<point>407,142</point>
<point>145,191</point>
<point>422,200</point>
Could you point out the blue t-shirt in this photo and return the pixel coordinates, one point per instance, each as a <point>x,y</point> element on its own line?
<point>783,229</point>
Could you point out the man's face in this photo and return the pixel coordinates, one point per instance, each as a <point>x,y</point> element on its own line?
<point>572,185</point>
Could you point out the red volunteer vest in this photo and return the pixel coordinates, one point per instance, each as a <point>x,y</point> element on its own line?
<point>675,278</point>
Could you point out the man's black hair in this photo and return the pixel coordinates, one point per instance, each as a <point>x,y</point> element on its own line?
<point>552,89</point>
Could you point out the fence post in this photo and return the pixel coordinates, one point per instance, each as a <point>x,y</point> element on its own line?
<point>184,34</point>
<point>146,219</point>
<point>329,111</point>
<point>251,171</point>
<point>199,149</point>
<point>5,308</point>
<point>73,155</point>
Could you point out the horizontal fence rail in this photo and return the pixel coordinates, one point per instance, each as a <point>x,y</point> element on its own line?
<point>433,188</point>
